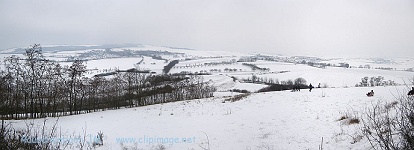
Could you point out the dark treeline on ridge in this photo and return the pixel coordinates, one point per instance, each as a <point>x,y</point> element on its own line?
<point>35,87</point>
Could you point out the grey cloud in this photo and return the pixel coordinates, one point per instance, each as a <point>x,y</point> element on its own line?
<point>310,27</point>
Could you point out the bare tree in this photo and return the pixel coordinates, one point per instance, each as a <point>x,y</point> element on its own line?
<point>76,71</point>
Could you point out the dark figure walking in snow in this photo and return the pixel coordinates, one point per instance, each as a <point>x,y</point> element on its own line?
<point>369,94</point>
<point>411,92</point>
<point>310,87</point>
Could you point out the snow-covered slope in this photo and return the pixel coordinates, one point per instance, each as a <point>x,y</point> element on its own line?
<point>273,120</point>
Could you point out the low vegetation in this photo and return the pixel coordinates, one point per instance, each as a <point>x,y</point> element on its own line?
<point>296,85</point>
<point>45,137</point>
<point>375,81</point>
<point>255,67</point>
<point>237,97</point>
<point>390,126</point>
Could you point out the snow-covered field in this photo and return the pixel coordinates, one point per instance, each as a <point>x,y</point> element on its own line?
<point>272,120</point>
<point>331,76</point>
<point>197,60</point>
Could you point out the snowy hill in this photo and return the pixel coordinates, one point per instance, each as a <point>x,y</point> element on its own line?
<point>270,120</point>
<point>273,120</point>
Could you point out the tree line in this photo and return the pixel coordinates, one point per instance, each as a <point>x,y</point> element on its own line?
<point>170,65</point>
<point>35,87</point>
<point>255,67</point>
<point>375,81</point>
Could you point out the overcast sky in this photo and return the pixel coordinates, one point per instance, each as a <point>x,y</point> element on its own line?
<point>292,27</point>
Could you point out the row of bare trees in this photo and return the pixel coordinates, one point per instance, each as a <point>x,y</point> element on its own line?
<point>374,81</point>
<point>35,87</point>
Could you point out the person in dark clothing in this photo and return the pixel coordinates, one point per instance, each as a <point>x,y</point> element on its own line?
<point>310,87</point>
<point>411,92</point>
<point>369,94</point>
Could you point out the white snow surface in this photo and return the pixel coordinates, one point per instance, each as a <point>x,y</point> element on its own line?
<point>331,76</point>
<point>272,120</point>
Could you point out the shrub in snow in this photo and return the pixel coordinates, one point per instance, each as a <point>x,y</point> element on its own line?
<point>33,137</point>
<point>374,81</point>
<point>237,97</point>
<point>98,139</point>
<point>300,81</point>
<point>239,91</point>
<point>390,126</point>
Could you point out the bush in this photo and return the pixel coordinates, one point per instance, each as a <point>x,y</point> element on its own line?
<point>390,126</point>
<point>41,137</point>
<point>347,120</point>
<point>353,121</point>
<point>34,138</point>
<point>281,87</point>
<point>300,81</point>
<point>237,97</point>
<point>239,91</point>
